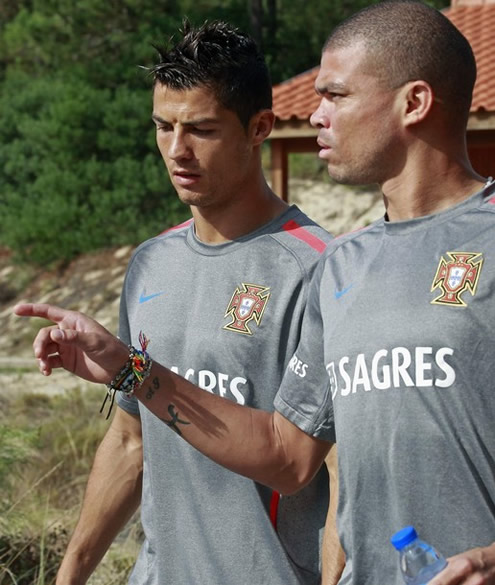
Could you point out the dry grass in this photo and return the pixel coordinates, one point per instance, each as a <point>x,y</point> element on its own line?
<point>47,445</point>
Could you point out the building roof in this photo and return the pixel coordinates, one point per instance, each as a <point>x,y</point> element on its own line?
<point>295,99</point>
<point>476,20</point>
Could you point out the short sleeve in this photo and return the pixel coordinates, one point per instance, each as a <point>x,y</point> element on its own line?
<point>304,396</point>
<point>128,403</point>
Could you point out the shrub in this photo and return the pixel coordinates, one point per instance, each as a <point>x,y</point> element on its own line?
<point>79,169</point>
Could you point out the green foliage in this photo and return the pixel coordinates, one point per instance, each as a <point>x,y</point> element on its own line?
<point>79,169</point>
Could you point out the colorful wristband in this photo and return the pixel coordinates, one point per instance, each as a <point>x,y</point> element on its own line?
<point>132,375</point>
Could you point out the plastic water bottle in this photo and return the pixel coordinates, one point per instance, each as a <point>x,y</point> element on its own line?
<point>419,561</point>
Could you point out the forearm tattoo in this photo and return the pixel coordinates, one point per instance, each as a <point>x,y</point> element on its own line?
<point>155,384</point>
<point>174,416</point>
<point>174,420</point>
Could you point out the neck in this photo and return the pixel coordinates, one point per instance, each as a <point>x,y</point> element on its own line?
<point>429,188</point>
<point>239,216</point>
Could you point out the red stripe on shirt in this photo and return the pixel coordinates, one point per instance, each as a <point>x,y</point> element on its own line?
<point>274,508</point>
<point>492,200</point>
<point>176,227</point>
<point>294,229</point>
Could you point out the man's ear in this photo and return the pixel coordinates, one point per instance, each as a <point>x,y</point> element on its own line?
<point>418,101</point>
<point>261,125</point>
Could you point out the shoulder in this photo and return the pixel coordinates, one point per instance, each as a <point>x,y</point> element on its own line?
<point>300,240</point>
<point>358,238</point>
<point>167,238</point>
<point>301,234</point>
<point>488,204</point>
<point>177,229</point>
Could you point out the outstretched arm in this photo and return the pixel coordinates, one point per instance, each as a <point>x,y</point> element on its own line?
<point>234,436</point>
<point>112,496</point>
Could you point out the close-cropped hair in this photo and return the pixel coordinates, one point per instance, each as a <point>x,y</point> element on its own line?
<point>221,58</point>
<point>408,41</point>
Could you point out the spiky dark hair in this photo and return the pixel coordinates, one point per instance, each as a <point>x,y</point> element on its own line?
<point>220,57</point>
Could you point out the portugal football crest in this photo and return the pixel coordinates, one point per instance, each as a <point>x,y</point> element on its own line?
<point>247,303</point>
<point>455,276</point>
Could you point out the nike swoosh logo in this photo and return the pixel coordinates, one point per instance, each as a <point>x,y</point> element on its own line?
<point>143,298</point>
<point>340,293</point>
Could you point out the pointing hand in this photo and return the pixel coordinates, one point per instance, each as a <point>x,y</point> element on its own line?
<point>76,343</point>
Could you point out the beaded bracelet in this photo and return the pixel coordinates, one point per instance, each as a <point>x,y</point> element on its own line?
<point>132,375</point>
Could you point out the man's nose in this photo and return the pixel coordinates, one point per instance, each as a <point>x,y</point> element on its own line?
<point>179,147</point>
<point>320,118</point>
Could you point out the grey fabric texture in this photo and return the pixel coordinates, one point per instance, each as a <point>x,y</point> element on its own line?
<point>227,317</point>
<point>397,349</point>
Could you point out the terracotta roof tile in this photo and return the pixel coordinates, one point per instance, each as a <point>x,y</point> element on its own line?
<point>296,98</point>
<point>476,21</point>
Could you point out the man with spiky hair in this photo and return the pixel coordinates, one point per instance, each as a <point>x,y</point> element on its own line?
<point>221,298</point>
<point>216,63</point>
<point>394,362</point>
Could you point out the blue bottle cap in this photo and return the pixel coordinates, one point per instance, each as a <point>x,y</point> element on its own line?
<point>404,537</point>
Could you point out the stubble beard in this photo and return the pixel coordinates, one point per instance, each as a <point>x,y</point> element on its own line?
<point>368,168</point>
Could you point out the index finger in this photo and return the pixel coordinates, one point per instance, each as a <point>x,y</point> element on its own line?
<point>43,310</point>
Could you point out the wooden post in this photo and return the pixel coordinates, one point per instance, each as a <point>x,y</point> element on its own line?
<point>279,160</point>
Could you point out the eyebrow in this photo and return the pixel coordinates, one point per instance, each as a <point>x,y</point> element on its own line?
<point>197,122</point>
<point>329,88</point>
